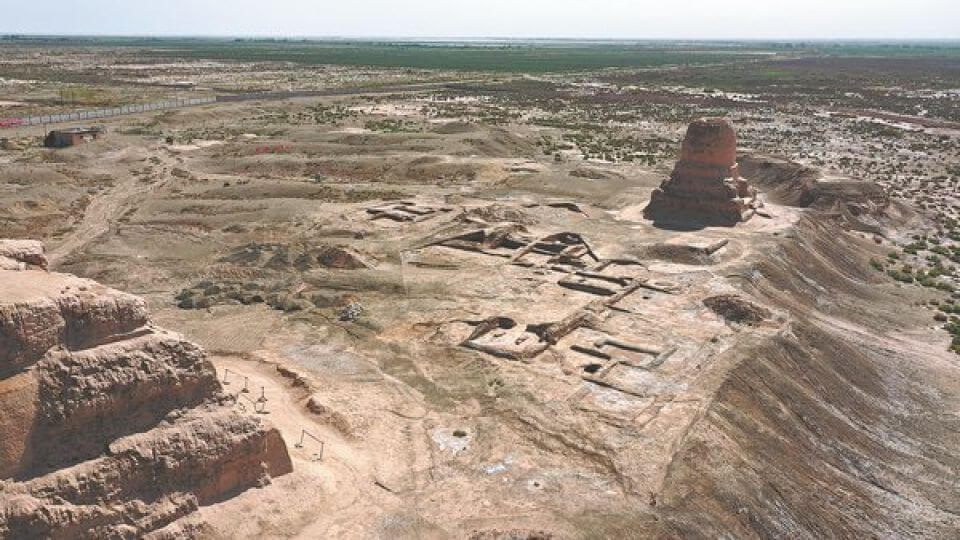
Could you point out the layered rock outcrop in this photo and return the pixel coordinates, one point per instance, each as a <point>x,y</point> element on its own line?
<point>110,427</point>
<point>705,187</point>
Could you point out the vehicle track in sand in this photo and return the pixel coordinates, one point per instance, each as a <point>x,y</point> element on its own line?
<point>105,209</point>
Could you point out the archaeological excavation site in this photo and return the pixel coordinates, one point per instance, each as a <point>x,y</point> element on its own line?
<point>672,300</point>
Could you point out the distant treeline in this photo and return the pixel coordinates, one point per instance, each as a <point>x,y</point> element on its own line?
<point>501,55</point>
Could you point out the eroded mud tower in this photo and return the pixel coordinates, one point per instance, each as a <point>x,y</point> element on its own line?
<point>705,187</point>
<point>111,427</point>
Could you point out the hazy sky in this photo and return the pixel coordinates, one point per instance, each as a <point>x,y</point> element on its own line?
<point>490,18</point>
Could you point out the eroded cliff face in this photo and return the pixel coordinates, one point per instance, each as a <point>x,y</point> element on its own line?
<point>836,428</point>
<point>112,428</point>
<point>41,311</point>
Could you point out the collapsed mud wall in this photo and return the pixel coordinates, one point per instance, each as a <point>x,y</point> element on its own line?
<point>111,427</point>
<point>75,357</point>
<point>200,460</point>
<point>81,394</point>
<point>831,429</point>
<point>45,313</point>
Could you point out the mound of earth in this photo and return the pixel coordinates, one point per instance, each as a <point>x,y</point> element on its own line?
<point>736,309</point>
<point>338,257</point>
<point>792,184</point>
<point>112,427</point>
<point>594,173</point>
<point>284,296</point>
<point>300,257</point>
<point>453,128</point>
<point>681,253</point>
<point>207,293</point>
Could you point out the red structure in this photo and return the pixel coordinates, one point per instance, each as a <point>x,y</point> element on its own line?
<point>705,187</point>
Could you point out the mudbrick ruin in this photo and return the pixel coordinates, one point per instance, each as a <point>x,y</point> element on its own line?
<point>705,186</point>
<point>112,427</point>
<point>479,306</point>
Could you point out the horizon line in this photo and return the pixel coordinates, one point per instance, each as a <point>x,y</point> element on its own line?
<point>8,34</point>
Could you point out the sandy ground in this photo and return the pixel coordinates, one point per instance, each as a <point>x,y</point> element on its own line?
<point>424,437</point>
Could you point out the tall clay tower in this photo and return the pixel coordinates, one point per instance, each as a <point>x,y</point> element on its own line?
<point>705,187</point>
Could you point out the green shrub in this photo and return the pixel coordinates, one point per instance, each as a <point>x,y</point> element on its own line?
<point>900,276</point>
<point>945,286</point>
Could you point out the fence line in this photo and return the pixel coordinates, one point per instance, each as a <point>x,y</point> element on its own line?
<point>77,116</point>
